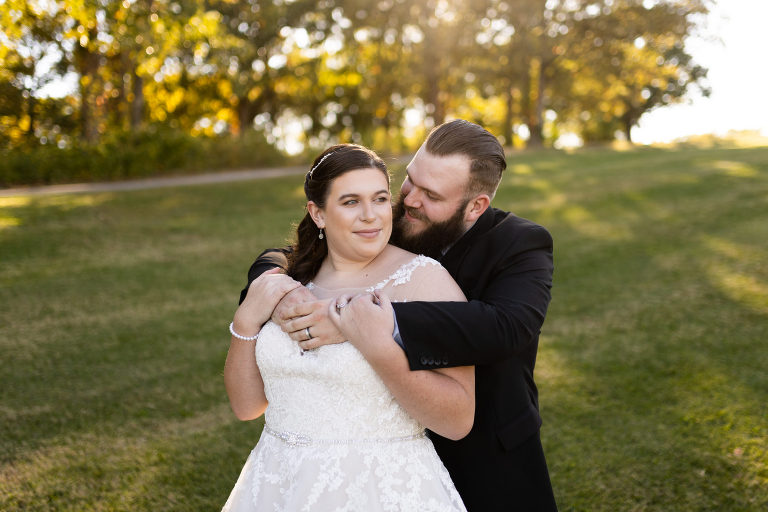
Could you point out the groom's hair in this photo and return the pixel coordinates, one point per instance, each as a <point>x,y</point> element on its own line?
<point>479,145</point>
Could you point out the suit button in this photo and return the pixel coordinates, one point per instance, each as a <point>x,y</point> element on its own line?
<point>445,362</point>
<point>423,360</point>
<point>431,361</point>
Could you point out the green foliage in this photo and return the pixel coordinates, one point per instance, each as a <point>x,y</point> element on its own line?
<point>651,365</point>
<point>342,69</point>
<point>126,155</point>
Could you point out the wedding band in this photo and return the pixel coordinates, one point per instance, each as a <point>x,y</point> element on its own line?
<point>306,331</point>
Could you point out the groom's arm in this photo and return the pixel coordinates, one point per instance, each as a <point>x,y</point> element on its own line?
<point>504,320</point>
<point>268,259</point>
<point>299,308</point>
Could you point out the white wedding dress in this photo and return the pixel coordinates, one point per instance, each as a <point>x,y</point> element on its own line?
<point>334,438</point>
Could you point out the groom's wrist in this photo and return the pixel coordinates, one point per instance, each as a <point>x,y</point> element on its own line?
<point>396,333</point>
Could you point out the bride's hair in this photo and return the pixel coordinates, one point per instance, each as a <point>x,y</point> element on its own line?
<point>309,251</point>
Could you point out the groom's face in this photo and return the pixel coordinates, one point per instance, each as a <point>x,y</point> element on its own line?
<point>430,212</point>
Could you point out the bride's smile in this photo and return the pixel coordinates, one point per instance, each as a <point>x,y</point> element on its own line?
<point>357,217</point>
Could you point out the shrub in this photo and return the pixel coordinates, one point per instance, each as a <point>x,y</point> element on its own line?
<point>128,155</point>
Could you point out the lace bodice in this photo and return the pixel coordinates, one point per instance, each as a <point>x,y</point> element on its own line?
<point>334,437</point>
<point>330,392</point>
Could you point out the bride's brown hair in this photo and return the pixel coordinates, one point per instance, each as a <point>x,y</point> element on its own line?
<point>309,251</point>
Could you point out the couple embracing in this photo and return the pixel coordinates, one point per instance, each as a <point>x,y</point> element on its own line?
<point>352,343</point>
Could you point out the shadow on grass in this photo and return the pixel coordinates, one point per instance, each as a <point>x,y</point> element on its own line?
<point>652,366</point>
<point>182,464</point>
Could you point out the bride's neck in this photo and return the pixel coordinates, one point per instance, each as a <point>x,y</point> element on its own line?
<point>337,268</point>
<point>337,264</point>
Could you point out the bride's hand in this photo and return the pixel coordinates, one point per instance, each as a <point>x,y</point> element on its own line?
<point>359,317</point>
<point>263,295</point>
<point>308,324</point>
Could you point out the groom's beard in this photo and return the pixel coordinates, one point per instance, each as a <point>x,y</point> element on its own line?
<point>432,240</point>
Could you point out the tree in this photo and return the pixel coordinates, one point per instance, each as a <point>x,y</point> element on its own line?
<point>345,69</point>
<point>28,63</point>
<point>628,59</point>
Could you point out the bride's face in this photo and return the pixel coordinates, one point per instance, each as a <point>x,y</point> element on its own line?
<point>357,217</point>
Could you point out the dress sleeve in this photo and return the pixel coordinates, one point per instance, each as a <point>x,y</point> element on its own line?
<point>268,259</point>
<point>503,320</point>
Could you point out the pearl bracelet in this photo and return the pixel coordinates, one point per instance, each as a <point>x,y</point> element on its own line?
<point>240,336</point>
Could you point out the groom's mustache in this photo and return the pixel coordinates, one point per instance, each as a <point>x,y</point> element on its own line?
<point>413,212</point>
<point>401,209</point>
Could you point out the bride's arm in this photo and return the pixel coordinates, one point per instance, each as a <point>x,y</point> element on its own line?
<point>242,379</point>
<point>442,400</point>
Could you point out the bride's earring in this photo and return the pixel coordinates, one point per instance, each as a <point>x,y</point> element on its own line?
<point>321,235</point>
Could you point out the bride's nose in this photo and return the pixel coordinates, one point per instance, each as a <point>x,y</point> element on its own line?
<point>366,212</point>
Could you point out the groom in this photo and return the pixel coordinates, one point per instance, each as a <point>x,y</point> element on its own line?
<point>503,263</point>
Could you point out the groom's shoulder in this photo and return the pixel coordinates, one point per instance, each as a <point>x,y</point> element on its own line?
<point>508,224</point>
<point>270,258</point>
<point>273,257</point>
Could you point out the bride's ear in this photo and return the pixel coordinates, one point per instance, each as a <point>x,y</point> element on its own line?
<point>316,213</point>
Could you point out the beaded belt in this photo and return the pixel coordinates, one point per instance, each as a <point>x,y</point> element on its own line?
<point>296,439</point>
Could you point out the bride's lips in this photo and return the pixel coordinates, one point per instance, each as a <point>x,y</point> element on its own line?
<point>368,233</point>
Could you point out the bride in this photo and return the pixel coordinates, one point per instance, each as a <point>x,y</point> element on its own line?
<point>335,438</point>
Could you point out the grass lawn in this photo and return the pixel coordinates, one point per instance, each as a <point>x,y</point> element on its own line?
<point>652,363</point>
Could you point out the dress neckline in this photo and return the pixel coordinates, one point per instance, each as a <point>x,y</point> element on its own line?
<point>401,275</point>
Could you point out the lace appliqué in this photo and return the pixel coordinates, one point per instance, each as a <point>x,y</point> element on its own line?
<point>401,276</point>
<point>404,273</point>
<point>335,438</point>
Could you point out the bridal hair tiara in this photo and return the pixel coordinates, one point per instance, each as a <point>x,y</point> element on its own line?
<point>318,164</point>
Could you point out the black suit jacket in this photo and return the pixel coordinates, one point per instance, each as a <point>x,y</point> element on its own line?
<point>504,266</point>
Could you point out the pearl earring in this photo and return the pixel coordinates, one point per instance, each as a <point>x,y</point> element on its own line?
<point>321,235</point>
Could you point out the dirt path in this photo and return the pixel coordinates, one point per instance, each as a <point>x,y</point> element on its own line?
<point>173,181</point>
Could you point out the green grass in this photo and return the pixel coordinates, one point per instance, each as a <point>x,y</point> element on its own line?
<point>651,366</point>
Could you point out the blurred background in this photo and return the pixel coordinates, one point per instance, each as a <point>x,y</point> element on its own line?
<point>117,89</point>
<point>637,134</point>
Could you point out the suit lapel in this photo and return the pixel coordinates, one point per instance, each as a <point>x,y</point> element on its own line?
<point>453,259</point>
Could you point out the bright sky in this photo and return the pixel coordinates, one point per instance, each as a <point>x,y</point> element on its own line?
<point>738,76</point>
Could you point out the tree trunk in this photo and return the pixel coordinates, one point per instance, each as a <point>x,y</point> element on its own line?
<point>434,98</point>
<point>628,123</point>
<point>88,65</point>
<point>137,100</point>
<point>508,133</point>
<point>124,109</point>
<point>433,71</point>
<point>30,135</point>
<point>536,110</point>
<point>244,116</point>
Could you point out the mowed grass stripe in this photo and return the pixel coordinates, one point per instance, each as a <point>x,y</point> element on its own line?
<point>651,365</point>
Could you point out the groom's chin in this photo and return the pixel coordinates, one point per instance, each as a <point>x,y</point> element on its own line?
<point>409,230</point>
<point>402,235</point>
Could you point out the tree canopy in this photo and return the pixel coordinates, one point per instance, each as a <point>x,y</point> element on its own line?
<point>370,72</point>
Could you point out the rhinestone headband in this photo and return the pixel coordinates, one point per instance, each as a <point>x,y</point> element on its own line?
<point>318,164</point>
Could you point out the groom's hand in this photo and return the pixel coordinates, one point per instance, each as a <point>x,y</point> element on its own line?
<point>264,293</point>
<point>366,320</point>
<point>301,310</point>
